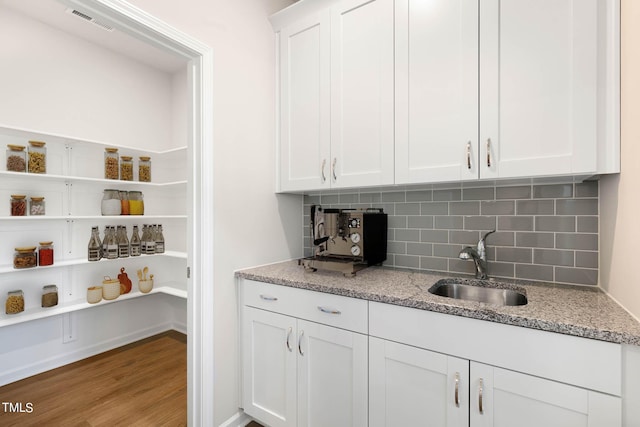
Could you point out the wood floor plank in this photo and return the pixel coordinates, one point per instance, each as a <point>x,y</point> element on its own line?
<point>141,384</point>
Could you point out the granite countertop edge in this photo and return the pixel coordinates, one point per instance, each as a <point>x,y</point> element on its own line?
<point>624,330</point>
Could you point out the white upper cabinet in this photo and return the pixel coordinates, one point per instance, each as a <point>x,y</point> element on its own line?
<point>436,91</point>
<point>336,97</point>
<point>544,87</point>
<point>304,104</point>
<point>362,93</point>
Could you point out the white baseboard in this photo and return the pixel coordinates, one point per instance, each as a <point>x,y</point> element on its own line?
<point>239,419</point>
<point>59,360</point>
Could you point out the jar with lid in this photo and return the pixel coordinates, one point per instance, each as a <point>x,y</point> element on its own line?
<point>144,169</point>
<point>16,158</point>
<point>37,157</point>
<point>111,163</point>
<point>126,168</point>
<point>25,257</point>
<point>45,254</point>
<point>49,296</point>
<point>18,205</point>
<point>111,203</point>
<point>124,203</point>
<point>136,203</point>
<point>15,302</point>
<point>36,206</point>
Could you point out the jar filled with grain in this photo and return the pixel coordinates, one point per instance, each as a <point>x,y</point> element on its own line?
<point>144,169</point>
<point>49,296</point>
<point>36,206</point>
<point>111,163</point>
<point>16,158</point>
<point>25,257</point>
<point>15,302</point>
<point>126,168</point>
<point>37,157</point>
<point>18,205</point>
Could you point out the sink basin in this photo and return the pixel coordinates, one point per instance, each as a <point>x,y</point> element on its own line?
<point>478,292</point>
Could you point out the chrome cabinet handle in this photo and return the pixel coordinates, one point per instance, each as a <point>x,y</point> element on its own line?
<point>480,408</point>
<point>329,310</point>
<point>289,336</point>
<point>300,343</point>
<point>268,297</point>
<point>456,397</point>
<point>333,169</point>
<point>469,155</point>
<point>324,177</point>
<point>489,152</point>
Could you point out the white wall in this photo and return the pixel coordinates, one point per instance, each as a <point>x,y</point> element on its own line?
<point>252,225</point>
<point>69,86</point>
<point>620,201</point>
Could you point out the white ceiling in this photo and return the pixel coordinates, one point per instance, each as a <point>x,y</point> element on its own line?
<point>54,14</point>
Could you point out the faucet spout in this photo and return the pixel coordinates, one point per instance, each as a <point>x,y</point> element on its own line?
<point>478,255</point>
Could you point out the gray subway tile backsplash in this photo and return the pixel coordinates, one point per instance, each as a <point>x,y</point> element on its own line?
<point>545,232</point>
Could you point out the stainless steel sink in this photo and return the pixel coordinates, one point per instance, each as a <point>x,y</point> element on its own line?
<point>479,292</point>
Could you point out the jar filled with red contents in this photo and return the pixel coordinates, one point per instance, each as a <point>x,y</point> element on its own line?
<point>45,253</point>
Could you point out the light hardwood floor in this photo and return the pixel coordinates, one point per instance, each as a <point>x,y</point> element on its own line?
<point>141,384</point>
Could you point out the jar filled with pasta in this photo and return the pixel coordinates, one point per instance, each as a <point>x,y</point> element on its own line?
<point>126,168</point>
<point>37,157</point>
<point>111,163</point>
<point>144,169</point>
<point>15,302</point>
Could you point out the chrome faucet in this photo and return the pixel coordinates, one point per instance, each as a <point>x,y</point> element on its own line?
<point>478,255</point>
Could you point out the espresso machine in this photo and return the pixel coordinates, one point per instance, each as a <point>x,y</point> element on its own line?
<point>346,240</point>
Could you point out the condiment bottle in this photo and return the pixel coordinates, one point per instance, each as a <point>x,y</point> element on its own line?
<point>111,163</point>
<point>159,240</point>
<point>135,242</point>
<point>144,169</point>
<point>16,158</point>
<point>37,157</point>
<point>49,296</point>
<point>95,245</point>
<point>112,244</point>
<point>18,205</point>
<point>123,242</point>
<point>45,254</point>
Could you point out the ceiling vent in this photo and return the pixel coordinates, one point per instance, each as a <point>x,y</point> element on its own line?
<point>89,19</point>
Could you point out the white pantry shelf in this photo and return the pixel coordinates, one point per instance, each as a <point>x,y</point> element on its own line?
<point>140,218</point>
<point>78,179</point>
<point>40,312</point>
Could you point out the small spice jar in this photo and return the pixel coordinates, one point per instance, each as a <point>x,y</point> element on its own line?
<point>49,296</point>
<point>18,205</point>
<point>111,163</point>
<point>25,257</point>
<point>136,203</point>
<point>45,254</point>
<point>16,158</point>
<point>126,168</point>
<point>37,157</point>
<point>144,169</point>
<point>111,204</point>
<point>36,206</point>
<point>15,302</point>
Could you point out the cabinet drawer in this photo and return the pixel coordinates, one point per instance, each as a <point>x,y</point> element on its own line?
<point>334,310</point>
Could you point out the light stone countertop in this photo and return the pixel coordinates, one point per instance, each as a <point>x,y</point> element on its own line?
<point>572,310</point>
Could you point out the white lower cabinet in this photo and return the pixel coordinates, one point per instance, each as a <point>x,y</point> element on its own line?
<point>302,373</point>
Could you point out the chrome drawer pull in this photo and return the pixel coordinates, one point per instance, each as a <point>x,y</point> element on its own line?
<point>329,310</point>
<point>300,343</point>
<point>289,336</point>
<point>469,155</point>
<point>489,152</point>
<point>333,169</point>
<point>324,178</point>
<point>480,408</point>
<point>456,397</point>
<point>268,298</point>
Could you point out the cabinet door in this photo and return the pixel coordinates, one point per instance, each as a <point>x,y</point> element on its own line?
<point>504,398</point>
<point>304,104</point>
<point>362,146</point>
<point>269,367</point>
<point>332,376</point>
<point>436,90</point>
<point>538,87</point>
<point>410,386</point>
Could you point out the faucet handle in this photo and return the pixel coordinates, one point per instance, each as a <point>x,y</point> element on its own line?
<point>486,234</point>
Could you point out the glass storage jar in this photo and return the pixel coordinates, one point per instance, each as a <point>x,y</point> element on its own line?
<point>126,168</point>
<point>16,158</point>
<point>144,169</point>
<point>49,296</point>
<point>15,302</point>
<point>36,206</point>
<point>136,203</point>
<point>111,204</point>
<point>37,157</point>
<point>25,257</point>
<point>111,163</point>
<point>18,205</point>
<point>45,254</point>
<point>124,203</point>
